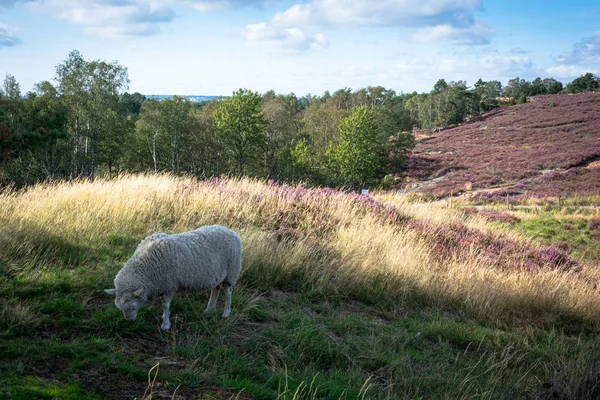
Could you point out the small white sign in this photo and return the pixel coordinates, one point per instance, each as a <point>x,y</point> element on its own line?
<point>364,192</point>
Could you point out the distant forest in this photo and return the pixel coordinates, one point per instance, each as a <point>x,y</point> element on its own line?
<point>83,123</point>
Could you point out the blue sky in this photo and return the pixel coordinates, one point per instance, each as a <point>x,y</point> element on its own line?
<point>213,47</point>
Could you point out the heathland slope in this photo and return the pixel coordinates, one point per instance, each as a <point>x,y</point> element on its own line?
<point>549,146</point>
<point>341,297</point>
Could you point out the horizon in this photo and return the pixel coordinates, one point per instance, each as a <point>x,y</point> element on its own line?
<point>303,46</point>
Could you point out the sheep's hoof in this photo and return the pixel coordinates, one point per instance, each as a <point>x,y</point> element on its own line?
<point>165,327</point>
<point>226,314</point>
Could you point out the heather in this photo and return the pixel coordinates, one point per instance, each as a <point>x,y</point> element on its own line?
<point>545,147</point>
<point>341,296</point>
<point>492,215</point>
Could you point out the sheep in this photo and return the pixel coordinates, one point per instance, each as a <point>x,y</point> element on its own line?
<point>206,258</point>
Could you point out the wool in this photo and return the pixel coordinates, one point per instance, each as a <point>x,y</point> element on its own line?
<point>203,259</point>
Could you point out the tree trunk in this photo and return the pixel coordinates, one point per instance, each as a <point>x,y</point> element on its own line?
<point>241,164</point>
<point>173,154</point>
<point>76,150</point>
<point>93,166</point>
<point>154,152</point>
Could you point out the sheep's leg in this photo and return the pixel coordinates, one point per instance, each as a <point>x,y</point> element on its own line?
<point>214,295</point>
<point>166,302</point>
<point>228,290</point>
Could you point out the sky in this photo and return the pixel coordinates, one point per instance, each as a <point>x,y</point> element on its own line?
<point>214,47</point>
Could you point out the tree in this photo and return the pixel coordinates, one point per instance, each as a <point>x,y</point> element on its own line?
<point>440,86</point>
<point>585,83</point>
<point>240,126</point>
<point>303,162</point>
<point>44,130</point>
<point>131,104</point>
<point>552,85</point>
<point>10,117</point>
<point>208,154</point>
<point>11,88</point>
<point>31,129</point>
<point>517,87</point>
<point>320,125</point>
<point>487,92</point>
<point>151,129</point>
<point>90,89</point>
<point>178,125</point>
<point>358,157</point>
<point>282,124</point>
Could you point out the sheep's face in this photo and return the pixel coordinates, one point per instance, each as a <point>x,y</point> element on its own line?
<point>128,302</point>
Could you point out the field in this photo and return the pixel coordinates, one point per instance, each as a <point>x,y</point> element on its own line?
<point>546,148</point>
<point>342,297</point>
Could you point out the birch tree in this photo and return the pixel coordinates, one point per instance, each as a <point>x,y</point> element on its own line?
<point>90,90</point>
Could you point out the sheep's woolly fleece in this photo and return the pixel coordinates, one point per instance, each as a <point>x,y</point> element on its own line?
<point>198,260</point>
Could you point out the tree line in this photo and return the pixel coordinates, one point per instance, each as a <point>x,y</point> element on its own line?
<point>84,123</point>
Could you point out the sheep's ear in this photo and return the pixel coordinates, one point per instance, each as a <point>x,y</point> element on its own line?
<point>138,293</point>
<point>112,292</point>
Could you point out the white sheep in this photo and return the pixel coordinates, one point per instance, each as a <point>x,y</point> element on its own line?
<point>206,258</point>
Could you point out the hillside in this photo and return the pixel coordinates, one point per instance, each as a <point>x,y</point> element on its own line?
<point>549,146</point>
<point>341,296</point>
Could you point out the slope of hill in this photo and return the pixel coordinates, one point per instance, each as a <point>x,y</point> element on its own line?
<point>342,296</point>
<point>549,146</point>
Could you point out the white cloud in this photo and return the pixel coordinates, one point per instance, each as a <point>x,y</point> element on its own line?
<point>117,18</point>
<point>8,36</point>
<point>436,21</point>
<point>285,40</point>
<point>357,71</point>
<point>415,66</point>
<point>476,34</point>
<point>379,13</point>
<point>587,51</point>
<point>519,50</point>
<point>112,18</point>
<point>210,5</point>
<point>507,66</point>
<point>568,71</point>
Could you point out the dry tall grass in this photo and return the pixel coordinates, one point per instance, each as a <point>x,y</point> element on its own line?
<point>321,240</point>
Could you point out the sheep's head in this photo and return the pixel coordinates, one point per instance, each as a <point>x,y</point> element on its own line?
<point>128,301</point>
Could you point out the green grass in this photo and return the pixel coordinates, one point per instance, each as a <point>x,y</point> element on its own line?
<point>573,234</point>
<point>277,344</point>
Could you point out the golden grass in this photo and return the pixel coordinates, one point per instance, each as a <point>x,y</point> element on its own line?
<point>333,244</point>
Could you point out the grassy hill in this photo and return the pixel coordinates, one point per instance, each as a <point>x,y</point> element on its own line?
<point>548,147</point>
<point>342,297</point>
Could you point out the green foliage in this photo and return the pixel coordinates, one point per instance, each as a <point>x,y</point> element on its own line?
<point>358,157</point>
<point>487,93</point>
<point>90,90</point>
<point>398,148</point>
<point>303,162</point>
<point>282,118</point>
<point>447,104</point>
<point>585,83</point>
<point>517,87</point>
<point>31,129</point>
<point>240,126</point>
<point>167,126</point>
